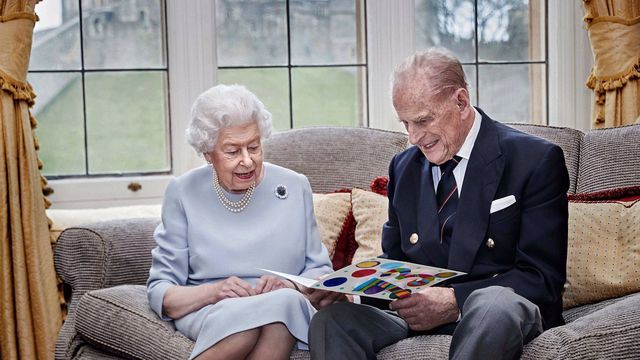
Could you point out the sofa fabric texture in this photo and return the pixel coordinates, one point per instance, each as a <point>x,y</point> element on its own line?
<point>105,265</point>
<point>609,159</point>
<point>569,140</point>
<point>334,158</point>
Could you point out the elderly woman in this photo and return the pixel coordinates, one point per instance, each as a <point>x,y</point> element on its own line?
<point>224,222</point>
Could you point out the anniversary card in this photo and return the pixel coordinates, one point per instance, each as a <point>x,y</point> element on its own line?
<point>378,278</point>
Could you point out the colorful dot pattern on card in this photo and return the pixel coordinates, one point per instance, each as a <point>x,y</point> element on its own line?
<point>386,279</point>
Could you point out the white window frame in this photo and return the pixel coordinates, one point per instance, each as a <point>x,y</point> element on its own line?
<point>192,69</point>
<point>192,64</point>
<point>391,38</point>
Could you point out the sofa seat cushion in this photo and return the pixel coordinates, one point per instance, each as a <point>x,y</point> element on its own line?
<point>418,347</point>
<point>610,332</point>
<point>89,352</point>
<point>119,320</point>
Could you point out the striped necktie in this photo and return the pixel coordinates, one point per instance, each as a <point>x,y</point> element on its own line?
<point>447,199</point>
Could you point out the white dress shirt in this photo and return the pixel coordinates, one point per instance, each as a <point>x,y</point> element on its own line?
<point>464,153</point>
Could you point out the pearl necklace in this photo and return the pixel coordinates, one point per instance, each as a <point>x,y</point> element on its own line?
<point>233,206</point>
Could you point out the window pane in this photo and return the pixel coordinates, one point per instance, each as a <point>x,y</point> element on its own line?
<point>271,86</point>
<point>251,32</point>
<point>513,93</point>
<point>448,24</point>
<point>56,37</point>
<point>324,32</point>
<point>123,34</point>
<point>327,96</point>
<point>470,73</point>
<point>60,128</point>
<point>127,122</point>
<point>511,30</point>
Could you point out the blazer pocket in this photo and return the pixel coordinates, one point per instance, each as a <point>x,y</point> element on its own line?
<point>504,214</point>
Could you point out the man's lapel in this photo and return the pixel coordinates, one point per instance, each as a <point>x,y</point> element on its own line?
<point>427,223</point>
<point>481,180</point>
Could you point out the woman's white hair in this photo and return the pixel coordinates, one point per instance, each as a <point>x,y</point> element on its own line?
<point>223,106</point>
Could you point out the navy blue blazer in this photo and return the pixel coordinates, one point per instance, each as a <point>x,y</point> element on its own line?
<point>529,248</point>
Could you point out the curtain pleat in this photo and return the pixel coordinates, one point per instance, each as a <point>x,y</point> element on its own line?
<point>30,308</point>
<point>614,33</point>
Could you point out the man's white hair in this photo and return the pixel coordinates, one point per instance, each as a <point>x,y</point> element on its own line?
<point>436,70</point>
<point>223,106</point>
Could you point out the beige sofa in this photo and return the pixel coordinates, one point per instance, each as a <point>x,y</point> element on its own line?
<point>104,265</point>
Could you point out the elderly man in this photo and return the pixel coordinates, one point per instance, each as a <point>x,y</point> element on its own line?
<point>472,195</point>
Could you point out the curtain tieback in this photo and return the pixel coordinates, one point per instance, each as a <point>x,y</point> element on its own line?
<point>614,65</point>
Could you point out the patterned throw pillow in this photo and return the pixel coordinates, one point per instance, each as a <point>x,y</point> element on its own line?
<point>604,251</point>
<point>346,245</point>
<point>370,213</point>
<point>334,217</point>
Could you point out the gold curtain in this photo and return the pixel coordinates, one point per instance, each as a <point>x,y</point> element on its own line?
<point>614,32</point>
<point>30,309</point>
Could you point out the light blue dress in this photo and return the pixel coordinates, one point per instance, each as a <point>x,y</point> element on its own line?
<point>200,241</point>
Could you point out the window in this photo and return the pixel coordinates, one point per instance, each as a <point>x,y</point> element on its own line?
<point>311,62</point>
<point>304,59</point>
<point>502,45</point>
<point>99,69</point>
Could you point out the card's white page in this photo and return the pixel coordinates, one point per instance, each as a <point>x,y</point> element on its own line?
<point>379,278</point>
<point>299,279</point>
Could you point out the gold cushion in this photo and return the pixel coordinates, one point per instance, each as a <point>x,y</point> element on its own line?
<point>331,212</point>
<point>370,212</point>
<point>603,252</point>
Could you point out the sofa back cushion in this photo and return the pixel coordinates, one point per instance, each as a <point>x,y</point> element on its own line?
<point>335,157</point>
<point>609,159</point>
<point>569,140</point>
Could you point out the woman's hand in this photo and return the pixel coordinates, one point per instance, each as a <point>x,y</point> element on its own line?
<point>268,283</point>
<point>179,301</point>
<point>231,287</point>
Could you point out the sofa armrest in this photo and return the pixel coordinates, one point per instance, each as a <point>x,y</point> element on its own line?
<point>120,321</point>
<point>99,255</point>
<point>105,254</point>
<point>608,333</point>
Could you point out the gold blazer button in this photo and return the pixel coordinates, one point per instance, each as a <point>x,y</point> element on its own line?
<point>413,238</point>
<point>490,243</point>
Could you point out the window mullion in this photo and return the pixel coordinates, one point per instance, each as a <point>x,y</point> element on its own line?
<point>192,69</point>
<point>288,20</point>
<point>390,39</point>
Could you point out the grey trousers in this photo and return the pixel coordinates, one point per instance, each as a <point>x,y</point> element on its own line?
<point>496,323</point>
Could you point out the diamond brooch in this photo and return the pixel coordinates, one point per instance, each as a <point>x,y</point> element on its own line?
<point>281,192</point>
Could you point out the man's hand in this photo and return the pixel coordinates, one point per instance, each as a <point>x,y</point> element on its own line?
<point>427,309</point>
<point>322,298</point>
